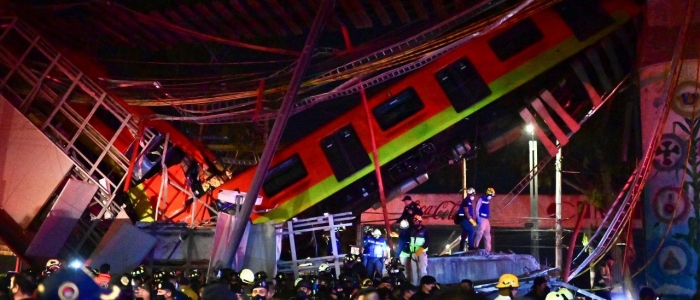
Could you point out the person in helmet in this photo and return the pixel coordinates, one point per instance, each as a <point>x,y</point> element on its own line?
<point>283,289</point>
<point>260,290</point>
<point>103,277</point>
<point>260,275</point>
<point>483,216</point>
<point>410,210</point>
<point>375,251</point>
<point>52,266</point>
<point>561,294</point>
<point>507,287</point>
<point>351,266</point>
<point>324,269</point>
<point>351,285</point>
<point>415,257</point>
<point>426,288</point>
<point>465,215</point>
<point>247,277</point>
<point>539,290</point>
<point>304,289</point>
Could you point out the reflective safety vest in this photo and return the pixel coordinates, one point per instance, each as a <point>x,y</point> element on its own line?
<point>374,247</point>
<point>484,211</point>
<point>419,238</point>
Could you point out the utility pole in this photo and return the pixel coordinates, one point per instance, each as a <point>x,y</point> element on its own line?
<point>464,178</point>
<point>534,211</point>
<point>557,205</point>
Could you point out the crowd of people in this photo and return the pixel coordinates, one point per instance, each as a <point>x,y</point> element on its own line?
<point>376,274</point>
<point>354,282</point>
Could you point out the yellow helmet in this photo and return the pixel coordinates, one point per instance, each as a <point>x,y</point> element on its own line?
<point>566,293</point>
<point>561,294</point>
<point>553,296</point>
<point>490,191</point>
<point>507,281</point>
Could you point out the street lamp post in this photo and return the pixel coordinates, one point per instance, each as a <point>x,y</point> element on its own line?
<point>534,211</point>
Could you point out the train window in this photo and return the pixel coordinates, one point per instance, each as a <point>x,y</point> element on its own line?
<point>397,109</point>
<point>515,39</point>
<point>284,175</point>
<point>585,18</point>
<point>462,84</point>
<point>345,152</point>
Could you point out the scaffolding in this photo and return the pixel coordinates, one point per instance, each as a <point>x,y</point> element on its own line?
<point>65,105</point>
<point>327,222</point>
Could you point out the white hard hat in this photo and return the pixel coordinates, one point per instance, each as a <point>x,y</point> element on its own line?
<point>403,224</point>
<point>471,191</point>
<point>376,232</point>
<point>324,268</point>
<point>247,276</point>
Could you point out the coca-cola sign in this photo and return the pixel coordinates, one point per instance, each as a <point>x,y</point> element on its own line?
<point>439,210</point>
<point>444,210</point>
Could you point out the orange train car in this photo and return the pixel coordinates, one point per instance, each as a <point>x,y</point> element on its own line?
<point>428,101</point>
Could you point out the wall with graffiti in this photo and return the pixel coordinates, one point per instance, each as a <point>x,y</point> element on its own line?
<point>672,192</point>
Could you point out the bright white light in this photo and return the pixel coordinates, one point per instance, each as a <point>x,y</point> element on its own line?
<point>447,246</point>
<point>75,264</point>
<point>529,128</point>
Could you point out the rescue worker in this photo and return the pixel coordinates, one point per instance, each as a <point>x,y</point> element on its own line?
<point>483,215</point>
<point>603,280</point>
<point>186,288</point>
<point>375,252</point>
<point>427,287</point>
<point>103,278</point>
<point>261,290</point>
<point>539,290</point>
<point>304,290</point>
<point>410,210</point>
<point>507,287</point>
<point>467,222</point>
<point>283,289</point>
<point>415,258</point>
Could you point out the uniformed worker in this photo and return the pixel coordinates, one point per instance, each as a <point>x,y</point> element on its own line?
<point>415,257</point>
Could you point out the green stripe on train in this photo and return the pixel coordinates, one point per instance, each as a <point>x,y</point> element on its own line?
<point>442,121</point>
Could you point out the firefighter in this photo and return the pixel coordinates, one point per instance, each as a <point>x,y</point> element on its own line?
<point>507,287</point>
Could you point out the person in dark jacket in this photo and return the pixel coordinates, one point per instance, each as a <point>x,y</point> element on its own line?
<point>415,257</point>
<point>410,210</point>
<point>426,288</point>
<point>539,289</point>
<point>466,220</point>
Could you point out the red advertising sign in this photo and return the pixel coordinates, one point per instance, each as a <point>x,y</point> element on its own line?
<point>439,210</point>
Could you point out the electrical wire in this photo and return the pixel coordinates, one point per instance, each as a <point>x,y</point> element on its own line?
<point>402,58</point>
<point>672,84</point>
